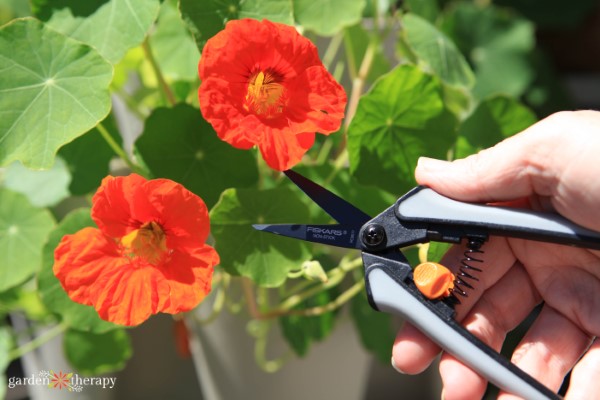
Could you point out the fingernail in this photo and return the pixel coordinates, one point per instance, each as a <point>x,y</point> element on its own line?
<point>443,395</point>
<point>431,164</point>
<point>396,367</point>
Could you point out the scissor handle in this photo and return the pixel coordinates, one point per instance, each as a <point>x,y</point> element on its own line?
<point>427,206</point>
<point>390,289</point>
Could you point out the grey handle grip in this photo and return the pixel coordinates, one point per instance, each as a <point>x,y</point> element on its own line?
<point>388,295</point>
<point>424,204</point>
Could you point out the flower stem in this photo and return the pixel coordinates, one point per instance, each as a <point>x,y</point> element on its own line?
<point>116,148</point>
<point>168,93</point>
<point>358,82</point>
<point>332,49</point>
<point>37,342</point>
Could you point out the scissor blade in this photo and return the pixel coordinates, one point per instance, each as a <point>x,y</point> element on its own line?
<point>332,235</point>
<point>338,208</point>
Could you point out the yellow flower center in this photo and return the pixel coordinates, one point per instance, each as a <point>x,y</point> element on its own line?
<point>265,94</point>
<point>149,242</point>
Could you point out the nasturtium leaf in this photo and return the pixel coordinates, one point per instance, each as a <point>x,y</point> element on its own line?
<point>497,42</point>
<point>399,120</point>
<point>113,28</point>
<point>50,98</point>
<point>327,17</point>
<point>300,331</point>
<point>374,328</point>
<point>436,251</point>
<point>177,143</point>
<point>11,9</point>
<point>207,17</point>
<point>43,188</point>
<point>493,120</point>
<point>263,257</point>
<point>43,9</point>
<point>173,46</point>
<point>94,354</point>
<point>427,9</point>
<point>435,51</point>
<point>356,40</point>
<point>23,232</point>
<point>88,158</point>
<point>6,343</point>
<point>75,315</point>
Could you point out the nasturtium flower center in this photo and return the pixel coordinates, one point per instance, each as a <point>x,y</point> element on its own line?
<point>265,96</point>
<point>148,242</point>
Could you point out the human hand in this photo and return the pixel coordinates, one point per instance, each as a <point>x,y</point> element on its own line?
<point>551,166</point>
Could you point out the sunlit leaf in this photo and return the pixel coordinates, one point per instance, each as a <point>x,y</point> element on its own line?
<point>427,9</point>
<point>113,28</point>
<point>263,257</point>
<point>94,354</point>
<point>177,143</point>
<point>492,121</point>
<point>173,46</point>
<point>399,120</point>
<point>436,51</point>
<point>326,17</point>
<point>52,89</point>
<point>207,17</point>
<point>75,315</point>
<point>42,188</point>
<point>23,232</point>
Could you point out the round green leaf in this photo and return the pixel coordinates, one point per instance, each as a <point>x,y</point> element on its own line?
<point>436,51</point>
<point>493,120</point>
<point>262,257</point>
<point>52,90</point>
<point>76,315</point>
<point>94,354</point>
<point>192,154</point>
<point>207,17</point>
<point>23,232</point>
<point>401,119</point>
<point>113,28</point>
<point>327,17</point>
<point>42,188</point>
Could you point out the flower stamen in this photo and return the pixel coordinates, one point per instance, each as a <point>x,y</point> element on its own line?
<point>148,242</point>
<point>265,94</point>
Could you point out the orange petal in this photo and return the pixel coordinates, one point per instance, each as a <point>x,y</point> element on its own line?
<point>433,280</point>
<point>283,149</point>
<point>189,276</point>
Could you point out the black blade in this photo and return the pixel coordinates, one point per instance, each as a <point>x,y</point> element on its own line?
<point>338,208</point>
<point>332,235</point>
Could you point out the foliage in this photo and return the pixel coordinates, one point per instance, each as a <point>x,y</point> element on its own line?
<point>423,78</point>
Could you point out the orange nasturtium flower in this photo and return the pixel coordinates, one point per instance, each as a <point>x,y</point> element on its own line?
<point>147,256</point>
<point>264,85</point>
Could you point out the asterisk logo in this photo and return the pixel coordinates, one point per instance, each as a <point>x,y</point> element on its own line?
<point>60,380</point>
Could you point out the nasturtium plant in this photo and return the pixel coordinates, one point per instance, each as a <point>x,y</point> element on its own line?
<point>140,140</point>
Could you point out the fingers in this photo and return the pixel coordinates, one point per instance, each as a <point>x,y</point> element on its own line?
<point>490,319</point>
<point>413,352</point>
<point>584,379</point>
<point>550,349</point>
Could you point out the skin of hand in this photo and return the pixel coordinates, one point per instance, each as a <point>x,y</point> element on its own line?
<point>552,166</point>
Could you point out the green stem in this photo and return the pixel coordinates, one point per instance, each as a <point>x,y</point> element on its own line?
<point>37,342</point>
<point>332,49</point>
<point>339,301</point>
<point>168,93</point>
<point>116,148</point>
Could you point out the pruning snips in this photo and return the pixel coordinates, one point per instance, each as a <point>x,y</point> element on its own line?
<point>422,216</point>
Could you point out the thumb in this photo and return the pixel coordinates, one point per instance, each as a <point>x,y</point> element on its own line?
<point>555,160</point>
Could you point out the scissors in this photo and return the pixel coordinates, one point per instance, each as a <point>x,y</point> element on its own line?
<point>422,216</point>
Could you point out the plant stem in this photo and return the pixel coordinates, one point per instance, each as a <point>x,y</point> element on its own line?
<point>37,342</point>
<point>332,49</point>
<point>116,148</point>
<point>358,83</point>
<point>168,93</point>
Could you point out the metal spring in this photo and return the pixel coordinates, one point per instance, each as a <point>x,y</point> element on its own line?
<point>466,269</point>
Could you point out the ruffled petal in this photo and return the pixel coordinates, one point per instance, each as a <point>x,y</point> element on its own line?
<point>189,276</point>
<point>111,209</point>
<point>81,259</point>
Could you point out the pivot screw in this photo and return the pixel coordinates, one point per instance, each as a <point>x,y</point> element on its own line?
<point>373,235</point>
